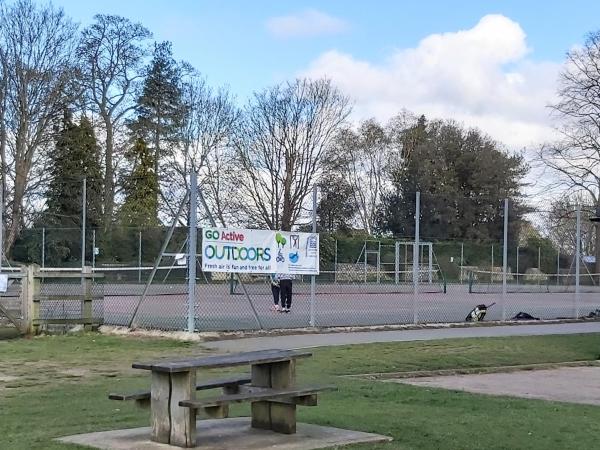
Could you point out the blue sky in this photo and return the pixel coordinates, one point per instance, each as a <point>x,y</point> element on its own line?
<point>245,45</point>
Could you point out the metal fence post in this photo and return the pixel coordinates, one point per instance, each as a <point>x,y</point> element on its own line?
<point>397,262</point>
<point>93,249</point>
<point>43,247</point>
<point>335,263</point>
<point>139,256</point>
<point>1,224</point>
<point>504,258</point>
<point>313,278</point>
<point>577,260</point>
<point>416,247</point>
<point>193,225</point>
<point>462,261</point>
<point>83,219</point>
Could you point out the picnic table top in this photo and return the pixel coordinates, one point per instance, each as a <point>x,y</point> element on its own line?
<point>236,359</point>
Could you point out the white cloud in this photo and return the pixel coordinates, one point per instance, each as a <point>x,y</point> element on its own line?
<point>481,77</point>
<point>306,23</point>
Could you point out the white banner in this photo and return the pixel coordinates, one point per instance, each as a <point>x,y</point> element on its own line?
<point>259,251</point>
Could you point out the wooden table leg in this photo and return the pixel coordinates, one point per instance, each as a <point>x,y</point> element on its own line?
<point>276,416</point>
<point>283,415</point>
<point>159,403</point>
<point>261,411</point>
<point>183,420</point>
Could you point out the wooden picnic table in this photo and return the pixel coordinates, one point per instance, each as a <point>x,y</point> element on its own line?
<point>271,391</point>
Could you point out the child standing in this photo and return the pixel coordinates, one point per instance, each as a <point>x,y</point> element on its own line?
<point>275,290</point>
<point>285,286</point>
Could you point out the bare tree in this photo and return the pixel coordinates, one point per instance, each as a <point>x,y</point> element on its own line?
<point>205,138</point>
<point>362,158</point>
<point>575,158</point>
<point>111,54</point>
<point>37,65</point>
<point>284,134</point>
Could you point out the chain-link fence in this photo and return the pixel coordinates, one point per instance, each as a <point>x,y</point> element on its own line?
<point>536,261</point>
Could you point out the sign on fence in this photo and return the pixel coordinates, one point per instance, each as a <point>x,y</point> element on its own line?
<point>259,251</point>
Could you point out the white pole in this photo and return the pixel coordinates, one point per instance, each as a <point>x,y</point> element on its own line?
<point>430,263</point>
<point>93,249</point>
<point>139,256</point>
<point>504,258</point>
<point>313,278</point>
<point>378,262</point>
<point>43,247</point>
<point>577,259</point>
<point>462,261</point>
<point>416,247</point>
<point>492,275</point>
<point>335,264</point>
<point>1,224</point>
<point>193,225</point>
<point>517,268</point>
<point>558,267</point>
<point>397,262</point>
<point>83,219</point>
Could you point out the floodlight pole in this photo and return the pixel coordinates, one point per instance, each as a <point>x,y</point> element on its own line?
<point>193,234</point>
<point>313,278</point>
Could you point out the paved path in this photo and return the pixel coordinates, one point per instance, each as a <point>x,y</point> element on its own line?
<point>367,337</point>
<point>566,384</point>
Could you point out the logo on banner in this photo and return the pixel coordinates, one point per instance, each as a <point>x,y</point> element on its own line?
<point>295,241</point>
<point>294,257</point>
<point>281,241</point>
<point>311,246</point>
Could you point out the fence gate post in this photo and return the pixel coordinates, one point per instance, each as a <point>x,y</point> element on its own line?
<point>86,287</point>
<point>30,305</point>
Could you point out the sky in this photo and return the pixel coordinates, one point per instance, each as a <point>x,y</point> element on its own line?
<point>487,64</point>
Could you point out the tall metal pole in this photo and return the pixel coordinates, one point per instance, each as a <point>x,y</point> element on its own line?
<point>93,249</point>
<point>430,262</point>
<point>462,260</point>
<point>193,227</point>
<point>313,278</point>
<point>1,224</point>
<point>492,275</point>
<point>517,268</point>
<point>83,220</point>
<point>558,267</point>
<point>335,264</point>
<point>577,260</point>
<point>416,256</point>
<point>504,258</point>
<point>43,247</point>
<point>397,262</point>
<point>139,256</point>
<point>540,258</point>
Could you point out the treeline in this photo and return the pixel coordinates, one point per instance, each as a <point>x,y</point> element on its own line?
<point>108,105</point>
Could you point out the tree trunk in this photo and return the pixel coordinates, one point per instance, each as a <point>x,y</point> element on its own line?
<point>109,191</point>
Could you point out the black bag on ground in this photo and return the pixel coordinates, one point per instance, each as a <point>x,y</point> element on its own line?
<point>524,316</point>
<point>477,314</point>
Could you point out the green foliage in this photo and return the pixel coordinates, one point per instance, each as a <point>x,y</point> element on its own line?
<point>140,208</point>
<point>75,156</point>
<point>463,177</point>
<point>160,108</point>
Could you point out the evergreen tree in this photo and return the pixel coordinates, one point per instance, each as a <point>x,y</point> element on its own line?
<point>463,177</point>
<point>160,108</point>
<point>140,208</point>
<point>75,156</point>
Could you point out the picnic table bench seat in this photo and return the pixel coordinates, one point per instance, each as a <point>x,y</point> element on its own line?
<point>229,385</point>
<point>218,407</point>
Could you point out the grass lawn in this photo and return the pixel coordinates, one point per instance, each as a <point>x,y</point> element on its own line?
<point>56,386</point>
